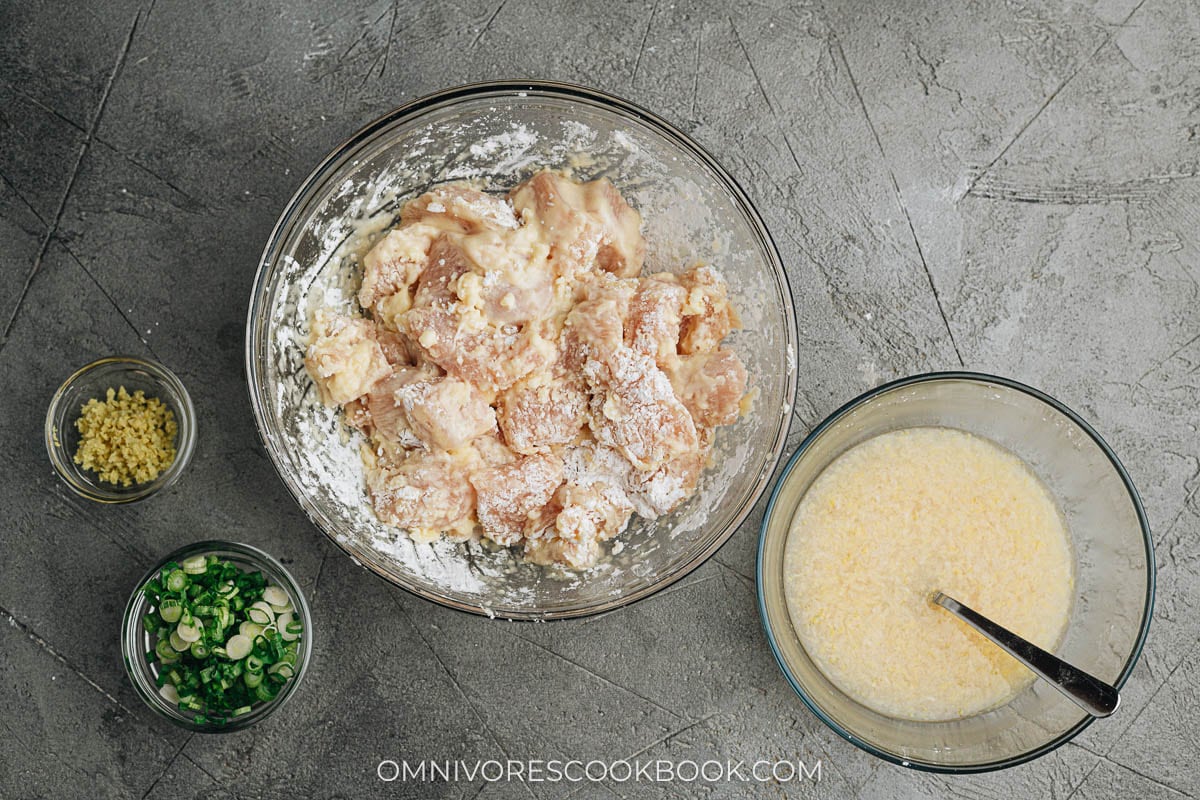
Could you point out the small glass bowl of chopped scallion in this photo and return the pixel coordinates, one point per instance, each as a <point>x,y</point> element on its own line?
<point>216,636</point>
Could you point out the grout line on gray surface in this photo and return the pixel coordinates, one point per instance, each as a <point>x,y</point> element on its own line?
<point>1102,758</point>
<point>1083,780</point>
<point>96,139</point>
<point>110,299</point>
<point>937,298</point>
<point>22,198</point>
<point>42,643</point>
<point>734,570</point>
<point>1084,63</point>
<point>320,571</point>
<point>672,735</point>
<point>511,632</point>
<point>696,70</point>
<point>62,205</point>
<point>487,26</point>
<point>387,47</point>
<point>211,777</point>
<point>637,63</point>
<point>1150,701</point>
<point>458,686</point>
<point>167,768</point>
<point>12,87</point>
<point>766,97</point>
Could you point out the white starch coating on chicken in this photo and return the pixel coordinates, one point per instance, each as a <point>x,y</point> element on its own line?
<point>515,374</point>
<point>895,519</point>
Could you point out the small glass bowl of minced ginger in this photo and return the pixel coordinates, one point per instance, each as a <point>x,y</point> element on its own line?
<point>120,429</point>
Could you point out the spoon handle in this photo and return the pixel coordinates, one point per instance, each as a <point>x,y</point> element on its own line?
<point>1091,694</point>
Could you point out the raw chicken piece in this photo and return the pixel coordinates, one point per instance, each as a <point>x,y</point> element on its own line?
<point>491,452</point>
<point>554,551</point>
<point>594,501</point>
<point>397,348</point>
<point>587,222</point>
<point>636,411</point>
<point>344,358</point>
<point>597,511</point>
<point>458,207</point>
<point>447,262</point>
<point>655,313</point>
<point>603,286</point>
<point>445,413</point>
<point>387,415</point>
<point>508,495</point>
<point>707,315</point>
<point>392,268</point>
<point>492,359</point>
<point>593,329</point>
<point>662,491</point>
<point>710,385</point>
<point>427,491</point>
<point>542,415</point>
<point>396,264</point>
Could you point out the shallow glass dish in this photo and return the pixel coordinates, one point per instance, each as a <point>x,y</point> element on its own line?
<point>136,642</point>
<point>498,135</point>
<point>1114,566</point>
<point>93,381</point>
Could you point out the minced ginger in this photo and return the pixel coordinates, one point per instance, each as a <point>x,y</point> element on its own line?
<point>126,439</point>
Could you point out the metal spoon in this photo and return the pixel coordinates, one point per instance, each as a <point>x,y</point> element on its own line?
<point>1091,694</point>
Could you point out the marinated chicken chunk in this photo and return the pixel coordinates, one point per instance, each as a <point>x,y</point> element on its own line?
<point>655,314</point>
<point>426,493</point>
<point>515,377</point>
<point>635,410</point>
<point>587,224</point>
<point>446,413</point>
<point>707,315</point>
<point>508,495</point>
<point>710,385</point>
<point>344,358</point>
<point>543,414</point>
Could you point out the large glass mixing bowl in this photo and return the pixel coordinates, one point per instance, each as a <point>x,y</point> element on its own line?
<point>497,135</point>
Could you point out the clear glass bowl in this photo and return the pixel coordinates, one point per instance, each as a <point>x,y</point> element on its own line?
<point>135,642</point>
<point>498,135</point>
<point>1114,566</point>
<point>93,381</point>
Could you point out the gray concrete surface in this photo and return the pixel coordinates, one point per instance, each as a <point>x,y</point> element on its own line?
<point>1011,187</point>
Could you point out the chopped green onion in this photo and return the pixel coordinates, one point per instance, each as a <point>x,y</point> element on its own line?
<point>169,693</point>
<point>275,596</point>
<point>224,640</point>
<point>177,581</point>
<point>170,610</point>
<point>189,632</point>
<point>238,647</point>
<point>165,652</point>
<point>178,642</point>
<point>194,566</point>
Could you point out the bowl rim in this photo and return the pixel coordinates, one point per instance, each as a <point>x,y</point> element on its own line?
<point>131,625</point>
<point>1143,523</point>
<point>185,437</point>
<point>567,91</point>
